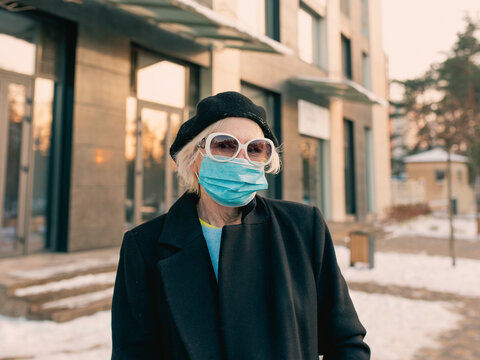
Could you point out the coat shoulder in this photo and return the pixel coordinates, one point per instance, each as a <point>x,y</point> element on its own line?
<point>149,231</point>
<point>298,212</point>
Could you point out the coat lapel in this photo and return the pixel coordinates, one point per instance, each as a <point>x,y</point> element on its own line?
<point>189,281</point>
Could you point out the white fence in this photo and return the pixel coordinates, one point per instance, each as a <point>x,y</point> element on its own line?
<point>405,192</point>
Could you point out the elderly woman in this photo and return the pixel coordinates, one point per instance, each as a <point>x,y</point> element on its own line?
<point>226,273</point>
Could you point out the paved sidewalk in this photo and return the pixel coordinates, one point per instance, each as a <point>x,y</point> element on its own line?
<point>462,343</point>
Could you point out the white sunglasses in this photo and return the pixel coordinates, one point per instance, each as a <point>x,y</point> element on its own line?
<point>225,147</point>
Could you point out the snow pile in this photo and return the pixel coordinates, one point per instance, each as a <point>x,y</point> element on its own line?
<point>436,227</point>
<point>86,338</point>
<point>397,327</point>
<point>416,270</point>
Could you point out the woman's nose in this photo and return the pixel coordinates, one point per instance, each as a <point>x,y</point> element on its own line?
<point>242,154</point>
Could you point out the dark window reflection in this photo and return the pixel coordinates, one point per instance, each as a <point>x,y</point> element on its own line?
<point>16,94</point>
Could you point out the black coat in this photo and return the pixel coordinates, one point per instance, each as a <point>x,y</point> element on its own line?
<point>280,294</point>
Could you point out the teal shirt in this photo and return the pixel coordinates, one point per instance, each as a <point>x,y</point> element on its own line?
<point>213,237</point>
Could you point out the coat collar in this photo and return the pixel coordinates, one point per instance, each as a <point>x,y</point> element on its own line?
<point>182,225</point>
<point>188,278</point>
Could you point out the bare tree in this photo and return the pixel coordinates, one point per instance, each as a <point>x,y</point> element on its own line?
<point>444,104</point>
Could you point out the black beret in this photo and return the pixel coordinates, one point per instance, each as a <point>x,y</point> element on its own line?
<point>218,107</point>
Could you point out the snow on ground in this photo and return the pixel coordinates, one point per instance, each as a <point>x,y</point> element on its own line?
<point>397,327</point>
<point>86,338</point>
<point>416,270</point>
<point>436,226</point>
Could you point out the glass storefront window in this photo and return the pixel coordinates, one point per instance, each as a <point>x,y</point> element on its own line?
<point>16,99</point>
<point>17,36</point>
<point>23,61</point>
<point>154,133</point>
<point>130,152</point>
<point>313,172</point>
<point>29,79</point>
<point>163,94</point>
<point>161,81</point>
<point>42,135</point>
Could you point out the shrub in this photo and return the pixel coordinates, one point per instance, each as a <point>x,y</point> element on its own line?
<point>408,211</point>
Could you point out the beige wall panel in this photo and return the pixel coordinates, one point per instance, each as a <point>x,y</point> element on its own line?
<point>226,71</point>
<point>98,162</point>
<point>94,209</point>
<point>97,223</point>
<point>316,5</point>
<point>97,166</point>
<point>108,54</point>
<point>274,71</point>
<point>288,23</point>
<point>333,31</point>
<point>100,87</point>
<point>381,153</point>
<point>227,8</point>
<point>100,126</point>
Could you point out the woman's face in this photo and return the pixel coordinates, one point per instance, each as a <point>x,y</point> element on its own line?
<point>243,129</point>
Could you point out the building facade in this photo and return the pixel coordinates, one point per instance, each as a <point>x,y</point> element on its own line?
<point>93,92</point>
<point>429,169</point>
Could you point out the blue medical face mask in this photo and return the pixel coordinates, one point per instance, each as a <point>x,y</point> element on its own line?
<point>232,183</point>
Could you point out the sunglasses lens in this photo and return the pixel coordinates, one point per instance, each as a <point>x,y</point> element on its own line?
<point>223,146</point>
<point>259,151</point>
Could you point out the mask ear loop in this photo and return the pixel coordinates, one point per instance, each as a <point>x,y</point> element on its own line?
<point>202,155</point>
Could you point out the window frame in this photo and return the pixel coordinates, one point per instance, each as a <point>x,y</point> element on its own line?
<point>319,39</point>
<point>347,63</point>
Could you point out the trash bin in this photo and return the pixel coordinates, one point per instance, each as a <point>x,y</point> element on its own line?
<point>362,248</point>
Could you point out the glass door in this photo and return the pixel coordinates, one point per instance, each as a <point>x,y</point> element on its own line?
<point>155,186</point>
<point>15,145</point>
<point>314,172</point>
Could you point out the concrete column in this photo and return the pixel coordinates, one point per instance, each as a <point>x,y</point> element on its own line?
<point>380,116</point>
<point>225,63</point>
<point>97,194</point>
<point>337,161</point>
<point>336,112</point>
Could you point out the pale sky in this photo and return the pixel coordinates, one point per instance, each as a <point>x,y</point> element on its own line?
<point>417,33</point>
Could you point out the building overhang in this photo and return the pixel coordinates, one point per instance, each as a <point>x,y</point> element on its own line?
<point>341,89</point>
<point>189,19</point>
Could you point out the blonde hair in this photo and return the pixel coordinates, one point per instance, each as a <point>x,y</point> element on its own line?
<point>186,157</point>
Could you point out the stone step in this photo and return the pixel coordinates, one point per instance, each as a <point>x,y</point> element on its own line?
<point>56,286</point>
<point>29,278</point>
<point>67,299</point>
<point>65,288</point>
<point>70,308</point>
